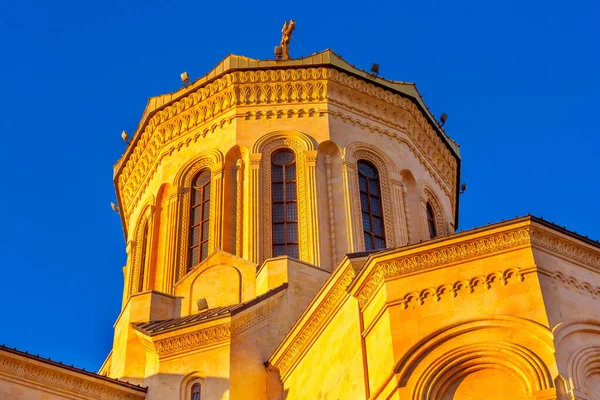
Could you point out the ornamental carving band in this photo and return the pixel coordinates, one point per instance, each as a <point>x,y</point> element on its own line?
<point>193,340</point>
<point>452,289</point>
<point>441,256</point>
<point>308,85</point>
<point>63,381</point>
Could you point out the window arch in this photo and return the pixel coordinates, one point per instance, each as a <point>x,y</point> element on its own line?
<point>430,220</point>
<point>199,218</point>
<point>371,207</point>
<point>195,392</point>
<point>142,250</point>
<point>143,258</point>
<point>284,203</point>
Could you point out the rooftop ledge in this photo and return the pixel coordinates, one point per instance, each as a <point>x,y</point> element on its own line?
<point>324,58</point>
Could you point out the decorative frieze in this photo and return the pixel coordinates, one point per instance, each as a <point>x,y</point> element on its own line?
<point>529,235</point>
<point>581,287</point>
<point>468,285</point>
<point>440,256</point>
<point>192,340</point>
<point>54,378</point>
<point>185,117</point>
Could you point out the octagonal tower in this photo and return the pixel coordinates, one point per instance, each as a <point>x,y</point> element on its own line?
<point>251,184</point>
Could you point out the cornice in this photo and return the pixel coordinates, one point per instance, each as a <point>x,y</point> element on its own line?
<point>192,340</point>
<point>564,247</point>
<point>50,377</point>
<point>440,256</point>
<point>173,344</point>
<point>363,279</point>
<point>530,234</point>
<point>185,118</point>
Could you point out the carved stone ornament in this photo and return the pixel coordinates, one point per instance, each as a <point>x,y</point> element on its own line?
<point>170,346</point>
<point>194,116</point>
<point>528,235</point>
<point>53,378</point>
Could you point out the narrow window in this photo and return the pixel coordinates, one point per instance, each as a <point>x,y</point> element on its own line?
<point>431,221</point>
<point>284,203</point>
<point>370,203</point>
<point>196,392</point>
<point>199,218</point>
<point>144,258</point>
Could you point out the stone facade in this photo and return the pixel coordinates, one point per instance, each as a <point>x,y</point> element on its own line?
<point>371,294</point>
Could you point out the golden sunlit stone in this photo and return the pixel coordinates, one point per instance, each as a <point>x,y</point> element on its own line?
<point>505,311</point>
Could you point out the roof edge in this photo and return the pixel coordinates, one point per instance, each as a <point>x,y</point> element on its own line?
<point>71,368</point>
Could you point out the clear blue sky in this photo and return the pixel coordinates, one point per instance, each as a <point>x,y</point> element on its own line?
<point>518,79</point>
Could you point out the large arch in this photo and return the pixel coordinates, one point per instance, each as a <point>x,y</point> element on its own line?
<point>520,351</point>
<point>578,357</point>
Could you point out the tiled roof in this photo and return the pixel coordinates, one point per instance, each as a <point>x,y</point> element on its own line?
<point>71,368</point>
<point>157,327</point>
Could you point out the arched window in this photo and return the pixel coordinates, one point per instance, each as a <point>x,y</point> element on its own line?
<point>431,221</point>
<point>196,392</point>
<point>284,203</point>
<point>143,258</point>
<point>199,218</point>
<point>370,203</point>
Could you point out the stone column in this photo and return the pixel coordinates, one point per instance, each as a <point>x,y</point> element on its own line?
<point>313,212</point>
<point>424,224</point>
<point>254,233</point>
<point>353,213</point>
<point>399,210</point>
<point>171,274</point>
<point>217,210</point>
<point>331,211</point>
<point>239,207</point>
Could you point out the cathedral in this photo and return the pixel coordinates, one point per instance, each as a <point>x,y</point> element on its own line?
<point>290,234</point>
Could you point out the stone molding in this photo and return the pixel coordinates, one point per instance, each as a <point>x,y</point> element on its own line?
<point>192,340</point>
<point>185,205</point>
<point>575,253</point>
<point>363,151</point>
<point>582,287</point>
<point>440,220</point>
<point>302,196</point>
<point>73,383</point>
<point>177,344</point>
<point>136,268</point>
<point>429,368</point>
<point>529,235</point>
<point>280,114</point>
<point>276,87</point>
<point>420,154</point>
<point>440,256</point>
<point>240,324</point>
<point>317,320</point>
<point>453,288</point>
<point>307,329</point>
